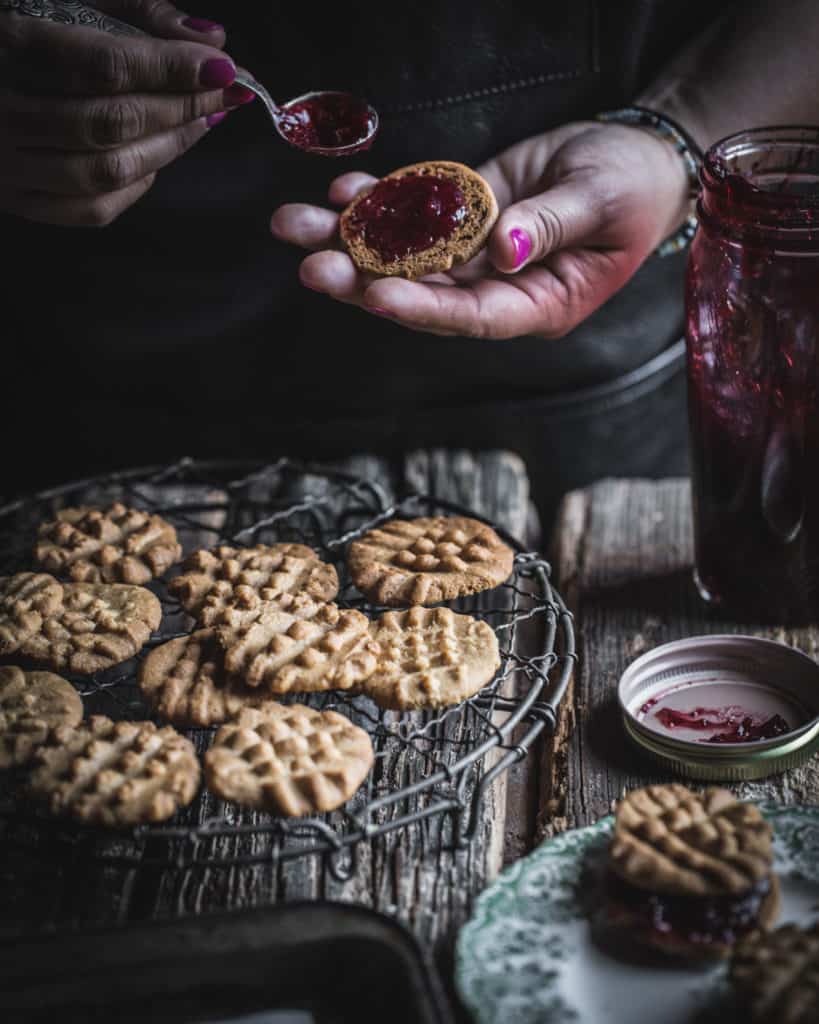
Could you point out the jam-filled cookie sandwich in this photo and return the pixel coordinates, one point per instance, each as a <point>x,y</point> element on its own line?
<point>690,874</point>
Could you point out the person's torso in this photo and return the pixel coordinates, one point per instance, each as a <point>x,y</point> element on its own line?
<point>187,298</point>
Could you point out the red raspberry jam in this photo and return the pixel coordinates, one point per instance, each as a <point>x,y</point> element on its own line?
<point>736,726</point>
<point>329,120</point>
<point>700,920</point>
<point>753,375</point>
<point>402,216</point>
<point>747,731</point>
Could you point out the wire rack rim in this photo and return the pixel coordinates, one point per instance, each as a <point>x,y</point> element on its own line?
<point>537,707</point>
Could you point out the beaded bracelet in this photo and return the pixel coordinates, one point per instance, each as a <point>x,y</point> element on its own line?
<point>688,149</point>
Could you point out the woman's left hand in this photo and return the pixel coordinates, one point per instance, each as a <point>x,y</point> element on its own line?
<point>581,207</point>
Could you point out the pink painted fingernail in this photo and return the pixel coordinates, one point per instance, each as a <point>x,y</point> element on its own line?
<point>202,25</point>
<point>236,95</point>
<point>217,73</point>
<point>378,311</point>
<point>522,245</point>
<point>213,119</point>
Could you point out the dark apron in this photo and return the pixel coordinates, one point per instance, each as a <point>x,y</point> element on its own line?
<point>182,329</point>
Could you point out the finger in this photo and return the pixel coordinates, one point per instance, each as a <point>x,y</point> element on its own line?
<point>311,227</point>
<point>547,300</point>
<point>564,217</point>
<point>344,189</point>
<point>47,57</point>
<point>101,122</point>
<point>334,274</point>
<point>164,20</point>
<point>488,309</point>
<point>110,170</point>
<point>71,211</point>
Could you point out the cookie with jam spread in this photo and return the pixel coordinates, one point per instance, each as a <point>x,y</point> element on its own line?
<point>690,874</point>
<point>422,219</point>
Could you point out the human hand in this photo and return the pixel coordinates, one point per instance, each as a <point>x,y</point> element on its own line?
<point>87,118</point>
<point>581,208</point>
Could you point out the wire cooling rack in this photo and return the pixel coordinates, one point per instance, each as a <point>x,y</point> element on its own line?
<point>426,763</point>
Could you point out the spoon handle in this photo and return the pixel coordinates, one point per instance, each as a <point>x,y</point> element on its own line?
<point>73,12</point>
<point>249,82</point>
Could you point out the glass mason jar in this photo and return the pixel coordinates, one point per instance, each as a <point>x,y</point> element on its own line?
<point>752,316</point>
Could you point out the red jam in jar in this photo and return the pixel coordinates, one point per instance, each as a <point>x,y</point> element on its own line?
<point>752,316</point>
<point>405,215</point>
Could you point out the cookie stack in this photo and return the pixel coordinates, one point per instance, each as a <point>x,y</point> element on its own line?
<point>690,874</point>
<point>265,624</point>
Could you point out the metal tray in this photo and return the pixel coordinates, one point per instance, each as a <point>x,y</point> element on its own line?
<point>302,963</point>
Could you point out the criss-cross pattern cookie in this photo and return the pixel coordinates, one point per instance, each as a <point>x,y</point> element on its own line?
<point>185,682</point>
<point>230,586</point>
<point>669,839</point>
<point>283,654</point>
<point>429,658</point>
<point>288,759</point>
<point>98,625</point>
<point>25,600</point>
<point>31,704</point>
<point>424,561</point>
<point>776,975</point>
<point>113,545</point>
<point>115,773</point>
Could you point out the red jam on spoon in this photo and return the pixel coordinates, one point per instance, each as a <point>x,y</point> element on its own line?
<point>324,122</point>
<point>402,216</point>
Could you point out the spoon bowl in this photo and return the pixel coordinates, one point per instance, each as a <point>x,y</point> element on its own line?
<point>338,123</point>
<point>323,122</point>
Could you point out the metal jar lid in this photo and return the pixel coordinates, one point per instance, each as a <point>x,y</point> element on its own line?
<point>787,675</point>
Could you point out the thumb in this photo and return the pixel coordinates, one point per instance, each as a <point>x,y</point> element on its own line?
<point>164,20</point>
<point>563,217</point>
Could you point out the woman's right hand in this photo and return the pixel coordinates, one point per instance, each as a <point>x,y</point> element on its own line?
<point>88,118</point>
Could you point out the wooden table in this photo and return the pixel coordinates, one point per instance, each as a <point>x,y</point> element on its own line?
<point>404,873</point>
<point>622,556</point>
<point>622,551</point>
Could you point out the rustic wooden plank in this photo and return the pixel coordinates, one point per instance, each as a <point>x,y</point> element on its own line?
<point>409,872</point>
<point>197,889</point>
<point>413,872</point>
<point>623,553</point>
<point>67,885</point>
<point>493,484</point>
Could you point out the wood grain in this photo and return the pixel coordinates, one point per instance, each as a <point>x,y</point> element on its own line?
<point>623,552</point>
<point>413,873</point>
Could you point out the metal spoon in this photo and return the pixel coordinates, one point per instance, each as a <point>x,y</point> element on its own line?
<point>310,118</point>
<point>307,122</point>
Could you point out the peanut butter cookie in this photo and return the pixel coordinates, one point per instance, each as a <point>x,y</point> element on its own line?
<point>427,560</point>
<point>289,759</point>
<point>113,545</point>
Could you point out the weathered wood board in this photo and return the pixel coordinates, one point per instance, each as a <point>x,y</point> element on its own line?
<point>623,552</point>
<point>406,873</point>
